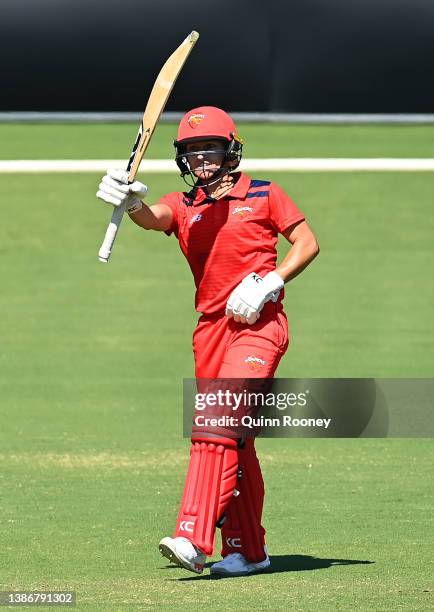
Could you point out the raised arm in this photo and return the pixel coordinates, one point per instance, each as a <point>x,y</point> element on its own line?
<point>157,217</point>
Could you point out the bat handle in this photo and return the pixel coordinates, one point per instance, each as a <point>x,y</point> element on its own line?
<point>110,235</point>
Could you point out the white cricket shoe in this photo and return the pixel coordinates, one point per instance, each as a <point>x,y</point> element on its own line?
<point>183,553</point>
<point>236,564</point>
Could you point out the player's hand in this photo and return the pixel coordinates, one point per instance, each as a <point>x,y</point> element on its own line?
<point>248,298</point>
<point>114,189</point>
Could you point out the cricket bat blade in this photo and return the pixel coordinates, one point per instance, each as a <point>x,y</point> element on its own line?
<point>154,107</point>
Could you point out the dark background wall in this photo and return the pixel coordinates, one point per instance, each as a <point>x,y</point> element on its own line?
<point>294,56</point>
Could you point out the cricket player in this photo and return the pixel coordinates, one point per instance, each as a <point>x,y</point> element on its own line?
<point>227,225</point>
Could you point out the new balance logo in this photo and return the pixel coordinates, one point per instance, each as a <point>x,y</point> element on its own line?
<point>196,218</point>
<point>234,542</point>
<point>186,526</point>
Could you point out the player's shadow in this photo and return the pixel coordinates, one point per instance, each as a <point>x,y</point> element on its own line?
<point>288,563</point>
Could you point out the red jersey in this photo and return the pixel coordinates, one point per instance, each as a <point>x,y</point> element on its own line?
<point>224,240</point>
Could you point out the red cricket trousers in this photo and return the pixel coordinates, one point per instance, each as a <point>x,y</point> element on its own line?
<point>224,348</point>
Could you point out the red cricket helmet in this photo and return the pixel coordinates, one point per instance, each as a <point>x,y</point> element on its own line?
<point>208,122</point>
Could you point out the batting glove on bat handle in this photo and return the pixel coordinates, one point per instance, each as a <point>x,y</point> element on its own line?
<point>114,189</point>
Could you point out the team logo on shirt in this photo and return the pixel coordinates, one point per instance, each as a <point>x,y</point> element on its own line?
<point>242,211</point>
<point>194,120</point>
<point>255,363</point>
<point>196,218</point>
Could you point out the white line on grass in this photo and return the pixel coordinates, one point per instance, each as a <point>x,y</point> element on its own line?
<point>278,164</point>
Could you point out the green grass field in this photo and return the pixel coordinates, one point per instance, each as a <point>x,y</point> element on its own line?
<point>92,360</point>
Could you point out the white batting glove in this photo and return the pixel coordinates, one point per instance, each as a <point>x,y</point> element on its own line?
<point>248,298</point>
<point>114,189</point>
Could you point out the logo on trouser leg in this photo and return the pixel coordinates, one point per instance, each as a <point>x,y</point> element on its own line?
<point>186,526</point>
<point>234,542</point>
<point>255,363</point>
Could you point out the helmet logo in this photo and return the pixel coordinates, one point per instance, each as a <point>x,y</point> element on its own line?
<point>194,120</point>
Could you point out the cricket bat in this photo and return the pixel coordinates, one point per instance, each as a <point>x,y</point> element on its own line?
<point>154,107</point>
